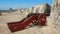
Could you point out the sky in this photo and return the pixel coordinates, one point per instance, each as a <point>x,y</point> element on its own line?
<point>17,4</point>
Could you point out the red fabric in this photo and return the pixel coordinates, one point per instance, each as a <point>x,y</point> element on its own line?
<point>17,26</point>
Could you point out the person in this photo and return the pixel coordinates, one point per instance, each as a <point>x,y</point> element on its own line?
<point>42,20</point>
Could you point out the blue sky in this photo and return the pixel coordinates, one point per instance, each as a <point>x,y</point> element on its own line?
<point>6,4</point>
